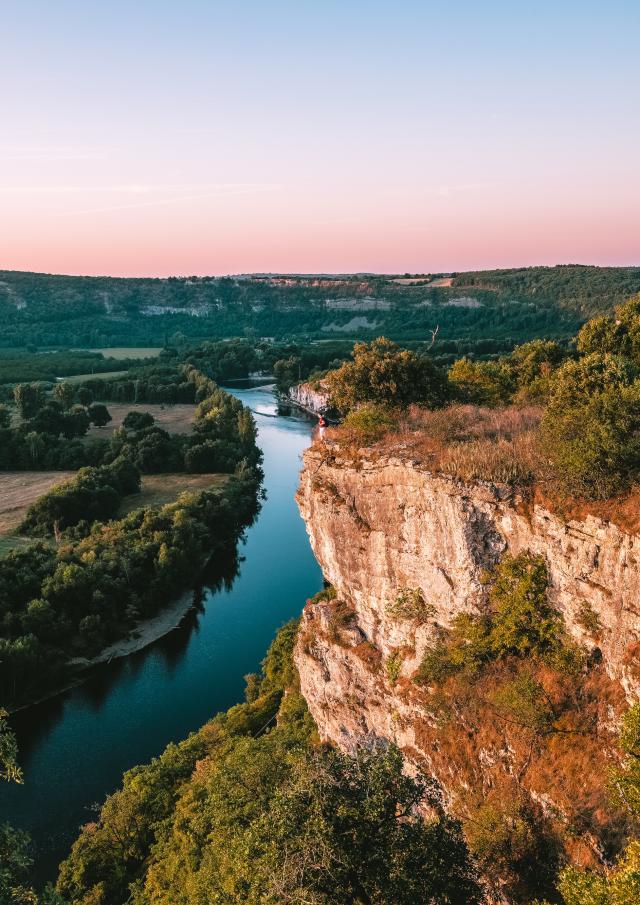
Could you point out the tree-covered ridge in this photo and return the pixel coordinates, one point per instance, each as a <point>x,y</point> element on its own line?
<point>491,310</point>
<point>251,809</point>
<point>584,289</point>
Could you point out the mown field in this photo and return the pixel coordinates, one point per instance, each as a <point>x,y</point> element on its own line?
<point>18,490</point>
<point>122,352</point>
<point>158,489</point>
<point>175,419</point>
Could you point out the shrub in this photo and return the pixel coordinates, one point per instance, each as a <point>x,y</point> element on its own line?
<point>588,618</point>
<point>329,593</point>
<point>507,836</point>
<point>524,701</point>
<point>591,428</point>
<point>368,424</point>
<point>383,373</point>
<point>481,382</point>
<point>393,667</point>
<point>520,623</point>
<point>410,604</point>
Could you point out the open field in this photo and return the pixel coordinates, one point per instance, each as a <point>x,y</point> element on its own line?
<point>176,419</point>
<point>122,352</point>
<point>80,378</point>
<point>158,489</point>
<point>18,490</point>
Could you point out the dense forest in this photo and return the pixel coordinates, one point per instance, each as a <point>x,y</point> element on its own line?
<point>253,809</point>
<point>501,307</point>
<point>92,574</point>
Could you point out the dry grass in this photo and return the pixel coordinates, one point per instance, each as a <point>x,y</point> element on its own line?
<point>623,511</point>
<point>121,352</point>
<point>176,419</point>
<point>476,443</point>
<point>158,489</point>
<point>469,442</point>
<point>19,489</point>
<point>479,748</point>
<point>9,542</point>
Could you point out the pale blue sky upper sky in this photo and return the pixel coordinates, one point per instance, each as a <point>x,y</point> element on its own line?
<point>213,137</point>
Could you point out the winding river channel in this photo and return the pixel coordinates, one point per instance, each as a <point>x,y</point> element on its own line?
<point>75,747</point>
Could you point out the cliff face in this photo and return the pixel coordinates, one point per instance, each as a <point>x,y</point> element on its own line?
<point>309,398</point>
<point>384,528</point>
<point>388,525</point>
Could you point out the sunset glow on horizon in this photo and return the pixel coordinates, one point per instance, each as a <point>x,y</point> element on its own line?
<point>153,139</point>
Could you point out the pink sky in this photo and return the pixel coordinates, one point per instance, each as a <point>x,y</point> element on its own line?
<point>210,139</point>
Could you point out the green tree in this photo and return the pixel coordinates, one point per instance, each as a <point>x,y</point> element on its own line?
<point>99,414</point>
<point>9,769</point>
<point>84,396</point>
<point>591,427</point>
<point>29,397</point>
<point>65,394</point>
<point>76,422</point>
<point>310,827</point>
<point>481,382</point>
<point>287,372</point>
<point>385,374</point>
<point>618,335</point>
<point>137,421</point>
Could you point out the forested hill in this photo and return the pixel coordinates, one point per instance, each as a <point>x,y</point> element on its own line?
<point>585,290</point>
<point>497,308</point>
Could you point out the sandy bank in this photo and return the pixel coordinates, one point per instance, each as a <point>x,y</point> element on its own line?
<point>143,634</point>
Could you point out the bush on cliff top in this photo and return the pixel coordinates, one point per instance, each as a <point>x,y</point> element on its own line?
<point>382,373</point>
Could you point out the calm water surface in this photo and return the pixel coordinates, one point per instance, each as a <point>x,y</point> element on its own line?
<point>75,747</point>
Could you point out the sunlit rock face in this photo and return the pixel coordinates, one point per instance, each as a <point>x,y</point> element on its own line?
<point>388,525</point>
<point>382,527</point>
<point>310,398</point>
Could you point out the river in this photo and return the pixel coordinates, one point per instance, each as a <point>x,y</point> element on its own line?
<point>75,747</point>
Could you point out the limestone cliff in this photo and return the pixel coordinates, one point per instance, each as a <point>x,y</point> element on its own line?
<point>385,527</point>
<point>310,397</point>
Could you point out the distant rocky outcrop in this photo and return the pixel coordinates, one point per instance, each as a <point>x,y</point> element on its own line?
<point>312,397</point>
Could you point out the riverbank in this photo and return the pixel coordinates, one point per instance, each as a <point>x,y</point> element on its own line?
<point>143,634</point>
<point>75,747</point>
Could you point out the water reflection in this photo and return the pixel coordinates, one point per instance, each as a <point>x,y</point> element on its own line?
<point>75,747</point>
